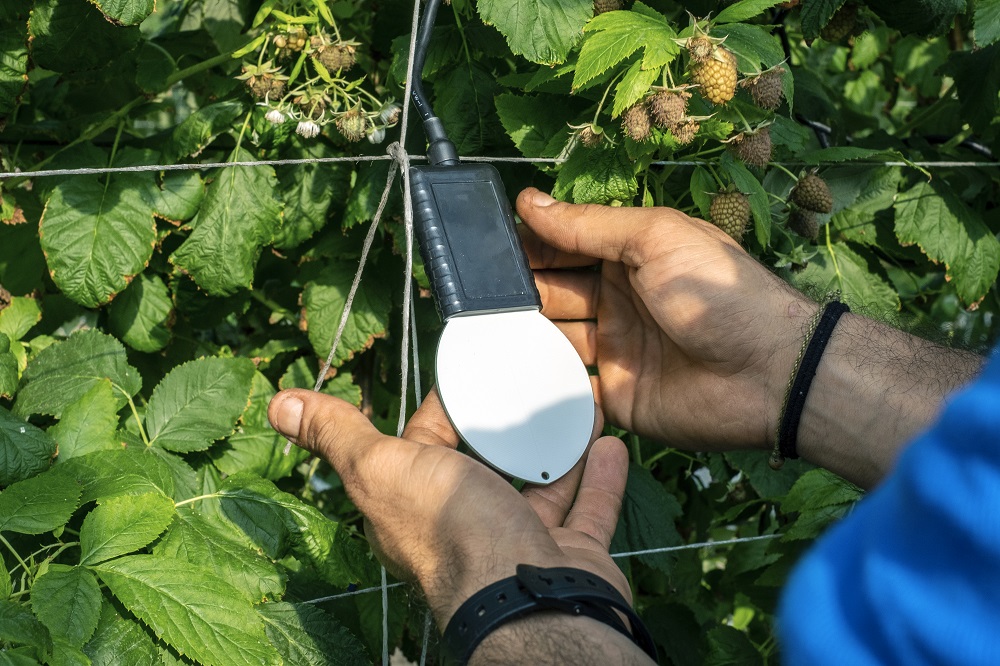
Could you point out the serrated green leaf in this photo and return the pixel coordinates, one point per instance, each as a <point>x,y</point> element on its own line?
<point>19,316</point>
<point>97,236</point>
<point>815,14</point>
<point>535,123</point>
<point>308,190</point>
<point>119,641</point>
<point>22,264</point>
<point>977,78</point>
<point>754,45</point>
<point>811,523</point>
<point>13,68</point>
<point>744,10</point>
<point>986,19</point>
<point>89,424</point>
<point>299,374</point>
<point>463,100</point>
<point>140,314</point>
<point>189,608</point>
<point>239,216</point>
<point>200,128</point>
<point>9,375</point>
<point>323,303</point>
<point>767,482</point>
<point>198,402</point>
<point>846,154</point>
<point>95,40</point>
<point>731,647</point>
<point>256,447</point>
<point>194,538</point>
<point>122,525</point>
<point>19,656</point>
<point>649,512</point>
<point>304,634</point>
<point>702,187</point>
<point>68,601</point>
<point>63,372</point>
<point>543,31</point>
<point>597,175</point>
<point>19,626</point>
<point>126,12</point>
<point>154,67</point>
<point>817,489</point>
<point>760,203</point>
<point>933,217</point>
<point>39,504</point>
<point>179,196</point>
<point>633,87</point>
<point>856,207</point>
<point>613,37</point>
<point>122,471</point>
<point>924,17</point>
<point>24,449</point>
<point>839,268</point>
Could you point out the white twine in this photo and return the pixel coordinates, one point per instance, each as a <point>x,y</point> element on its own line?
<point>691,546</point>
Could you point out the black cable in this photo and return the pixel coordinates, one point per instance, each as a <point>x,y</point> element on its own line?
<point>440,150</point>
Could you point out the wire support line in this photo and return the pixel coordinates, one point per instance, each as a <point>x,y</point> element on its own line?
<point>352,593</point>
<point>692,546</point>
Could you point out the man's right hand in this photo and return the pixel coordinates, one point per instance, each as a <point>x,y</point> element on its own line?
<point>694,340</point>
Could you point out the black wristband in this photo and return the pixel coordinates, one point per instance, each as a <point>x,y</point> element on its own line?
<point>533,589</point>
<point>789,430</point>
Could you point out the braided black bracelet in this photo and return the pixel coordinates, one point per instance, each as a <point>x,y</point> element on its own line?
<point>795,400</point>
<point>533,589</point>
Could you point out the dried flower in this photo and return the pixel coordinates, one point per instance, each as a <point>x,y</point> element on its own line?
<point>275,116</point>
<point>307,129</point>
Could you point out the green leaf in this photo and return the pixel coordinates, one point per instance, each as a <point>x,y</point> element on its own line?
<point>649,512</point>
<point>702,187</point>
<point>13,68</point>
<point>68,601</point>
<point>300,374</point>
<point>760,203</point>
<point>730,647</point>
<point>304,634</point>
<point>767,482</point>
<point>613,37</point>
<point>839,268</point>
<point>8,368</point>
<point>65,654</point>
<point>119,640</point>
<point>633,87</point>
<point>744,10</point>
<point>198,402</point>
<point>19,316</point>
<point>24,449</point>
<point>323,304</point>
<point>815,14</point>
<point>141,314</point>
<point>122,471</point>
<point>154,67</point>
<point>846,154</point>
<point>199,129</point>
<point>817,489</point>
<point>194,538</point>
<point>362,203</point>
<point>191,609</point>
<point>986,19</point>
<point>923,17</point>
<point>977,78</point>
<point>597,175</point>
<point>179,196</point>
<point>933,217</point>
<point>543,31</point>
<point>97,236</point>
<point>754,46</point>
<point>95,41</point>
<point>536,123</point>
<point>307,190</point>
<point>22,264</point>
<point>239,216</point>
<point>18,625</point>
<point>812,523</point>
<point>89,424</point>
<point>122,525</point>
<point>873,191</point>
<point>40,504</point>
<point>256,447</point>
<point>126,12</point>
<point>463,100</point>
<point>63,372</point>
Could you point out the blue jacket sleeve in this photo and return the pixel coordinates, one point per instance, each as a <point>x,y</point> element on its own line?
<point>912,576</point>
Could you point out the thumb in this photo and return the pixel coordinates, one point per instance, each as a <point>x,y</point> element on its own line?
<point>628,235</point>
<point>324,425</point>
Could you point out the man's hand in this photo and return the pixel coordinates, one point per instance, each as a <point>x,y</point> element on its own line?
<point>693,339</point>
<point>445,520</point>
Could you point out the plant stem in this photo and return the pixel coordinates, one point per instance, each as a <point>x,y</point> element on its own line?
<point>781,168</point>
<point>135,413</point>
<point>23,564</point>
<point>195,499</point>
<point>636,447</point>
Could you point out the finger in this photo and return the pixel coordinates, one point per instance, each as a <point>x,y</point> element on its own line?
<point>430,425</point>
<point>583,336</point>
<point>324,425</point>
<point>542,255</point>
<point>568,294</point>
<point>628,235</point>
<point>552,502</point>
<point>599,499</point>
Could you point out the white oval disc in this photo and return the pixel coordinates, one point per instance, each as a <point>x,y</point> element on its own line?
<point>516,392</point>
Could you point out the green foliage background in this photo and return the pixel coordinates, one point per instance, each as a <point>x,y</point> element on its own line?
<point>148,514</point>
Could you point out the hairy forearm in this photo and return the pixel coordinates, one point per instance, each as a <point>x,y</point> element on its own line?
<point>875,389</point>
<point>558,638</point>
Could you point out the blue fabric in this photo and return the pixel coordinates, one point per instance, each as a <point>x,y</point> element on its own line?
<point>912,576</point>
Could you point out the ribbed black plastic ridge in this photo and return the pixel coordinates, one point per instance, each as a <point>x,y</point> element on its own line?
<point>468,241</point>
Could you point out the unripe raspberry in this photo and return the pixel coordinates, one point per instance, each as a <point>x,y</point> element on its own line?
<point>668,109</point>
<point>590,138</point>
<point>841,24</point>
<point>812,193</point>
<point>754,148</point>
<point>601,6</point>
<point>804,223</point>
<point>716,75</point>
<point>730,211</point>
<point>336,57</point>
<point>635,122</point>
<point>700,49</point>
<point>686,131</point>
<point>353,125</point>
<point>766,88</point>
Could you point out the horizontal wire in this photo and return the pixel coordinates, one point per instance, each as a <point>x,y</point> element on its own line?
<point>691,546</point>
<point>94,171</point>
<point>377,588</point>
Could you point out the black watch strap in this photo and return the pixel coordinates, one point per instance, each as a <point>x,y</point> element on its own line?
<point>533,589</point>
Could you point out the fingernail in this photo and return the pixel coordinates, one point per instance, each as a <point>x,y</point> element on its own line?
<point>288,418</point>
<point>541,199</point>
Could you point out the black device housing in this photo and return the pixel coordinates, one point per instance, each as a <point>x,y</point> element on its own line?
<point>467,237</point>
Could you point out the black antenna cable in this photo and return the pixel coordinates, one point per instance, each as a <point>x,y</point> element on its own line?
<point>440,150</point>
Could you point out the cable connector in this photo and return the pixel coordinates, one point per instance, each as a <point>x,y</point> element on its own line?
<point>440,150</point>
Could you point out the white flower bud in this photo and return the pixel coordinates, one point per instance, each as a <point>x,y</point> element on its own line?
<point>389,113</point>
<point>377,135</point>
<point>274,116</point>
<point>307,129</point>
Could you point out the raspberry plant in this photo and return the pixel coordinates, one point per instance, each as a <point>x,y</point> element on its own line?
<point>147,513</point>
